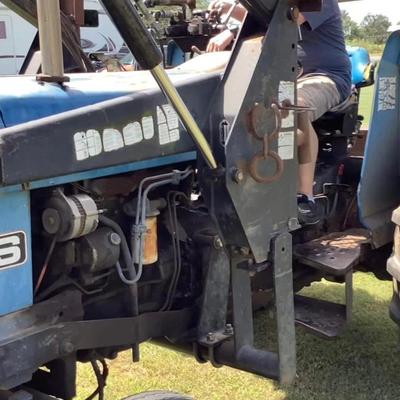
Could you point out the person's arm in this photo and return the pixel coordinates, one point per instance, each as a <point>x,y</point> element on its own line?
<point>221,41</point>
<point>301,19</point>
<point>224,6</point>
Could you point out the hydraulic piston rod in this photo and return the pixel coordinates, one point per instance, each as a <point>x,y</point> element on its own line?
<point>127,20</point>
<point>48,12</point>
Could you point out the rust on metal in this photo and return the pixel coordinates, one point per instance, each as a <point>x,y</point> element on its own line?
<point>257,113</point>
<point>75,9</point>
<point>52,79</point>
<point>258,158</point>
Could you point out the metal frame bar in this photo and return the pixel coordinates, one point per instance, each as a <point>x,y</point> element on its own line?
<point>284,303</point>
<point>348,287</point>
<point>49,22</point>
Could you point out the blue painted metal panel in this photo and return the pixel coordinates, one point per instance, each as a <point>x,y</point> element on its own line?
<point>379,190</point>
<point>15,281</point>
<point>118,169</point>
<point>23,99</point>
<point>102,172</point>
<point>175,56</point>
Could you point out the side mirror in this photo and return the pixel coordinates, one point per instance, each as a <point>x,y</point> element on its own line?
<point>91,19</point>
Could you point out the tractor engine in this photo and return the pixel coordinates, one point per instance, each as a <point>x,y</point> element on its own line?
<point>110,236</point>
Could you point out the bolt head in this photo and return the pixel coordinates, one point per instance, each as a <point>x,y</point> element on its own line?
<point>67,348</point>
<point>210,337</point>
<point>245,251</point>
<point>114,239</point>
<point>293,224</point>
<point>238,175</point>
<point>218,243</point>
<point>228,329</point>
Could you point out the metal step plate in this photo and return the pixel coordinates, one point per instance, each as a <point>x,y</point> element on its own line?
<point>335,253</point>
<point>320,317</point>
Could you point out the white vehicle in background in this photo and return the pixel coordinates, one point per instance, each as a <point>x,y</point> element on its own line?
<point>17,35</point>
<point>101,39</point>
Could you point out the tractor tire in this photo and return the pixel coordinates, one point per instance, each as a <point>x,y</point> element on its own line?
<point>158,395</point>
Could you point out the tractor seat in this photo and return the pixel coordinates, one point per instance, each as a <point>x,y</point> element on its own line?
<point>362,75</point>
<point>347,104</point>
<point>362,69</point>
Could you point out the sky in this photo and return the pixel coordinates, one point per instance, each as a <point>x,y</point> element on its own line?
<point>359,9</point>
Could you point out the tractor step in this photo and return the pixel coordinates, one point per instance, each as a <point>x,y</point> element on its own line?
<point>321,318</point>
<point>335,254</point>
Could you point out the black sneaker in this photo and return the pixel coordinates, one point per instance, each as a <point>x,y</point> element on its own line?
<point>307,211</point>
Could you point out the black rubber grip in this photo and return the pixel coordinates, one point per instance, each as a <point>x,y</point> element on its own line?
<point>135,34</point>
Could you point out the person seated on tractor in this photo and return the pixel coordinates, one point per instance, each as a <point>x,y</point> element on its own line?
<point>325,83</point>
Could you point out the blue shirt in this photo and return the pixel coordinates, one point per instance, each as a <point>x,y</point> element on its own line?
<point>322,48</point>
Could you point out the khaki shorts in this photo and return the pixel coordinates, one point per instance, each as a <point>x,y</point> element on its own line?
<point>318,92</point>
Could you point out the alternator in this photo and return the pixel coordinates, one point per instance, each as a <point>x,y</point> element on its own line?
<point>70,217</point>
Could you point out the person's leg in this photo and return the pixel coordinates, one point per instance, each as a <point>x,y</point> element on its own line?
<point>320,94</point>
<point>308,152</point>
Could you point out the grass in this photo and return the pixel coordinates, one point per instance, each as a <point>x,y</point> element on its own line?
<point>373,48</point>
<point>363,364</point>
<point>365,108</point>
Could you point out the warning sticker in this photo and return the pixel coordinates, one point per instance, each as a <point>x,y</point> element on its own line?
<point>168,124</point>
<point>174,135</point>
<point>161,116</point>
<point>286,145</point>
<point>387,93</point>
<point>172,116</point>
<point>81,147</point>
<point>132,133</point>
<point>92,143</point>
<point>93,138</point>
<point>112,139</point>
<point>286,93</point>
<point>163,133</point>
<point>148,127</point>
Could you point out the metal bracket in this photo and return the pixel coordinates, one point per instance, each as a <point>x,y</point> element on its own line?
<point>284,303</point>
<point>213,340</point>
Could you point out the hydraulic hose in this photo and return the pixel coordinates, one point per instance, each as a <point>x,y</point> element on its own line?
<point>127,261</point>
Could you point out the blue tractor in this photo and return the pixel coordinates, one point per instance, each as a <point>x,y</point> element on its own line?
<point>134,208</point>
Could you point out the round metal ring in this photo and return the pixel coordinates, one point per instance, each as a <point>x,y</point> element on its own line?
<point>253,167</point>
<point>251,123</point>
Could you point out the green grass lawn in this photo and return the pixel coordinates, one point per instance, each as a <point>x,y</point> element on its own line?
<point>365,108</point>
<point>363,364</point>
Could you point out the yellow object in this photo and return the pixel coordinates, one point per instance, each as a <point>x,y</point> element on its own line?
<point>150,247</point>
<point>186,118</point>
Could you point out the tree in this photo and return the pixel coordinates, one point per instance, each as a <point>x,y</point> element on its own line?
<point>375,28</point>
<point>351,28</point>
<point>202,4</point>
